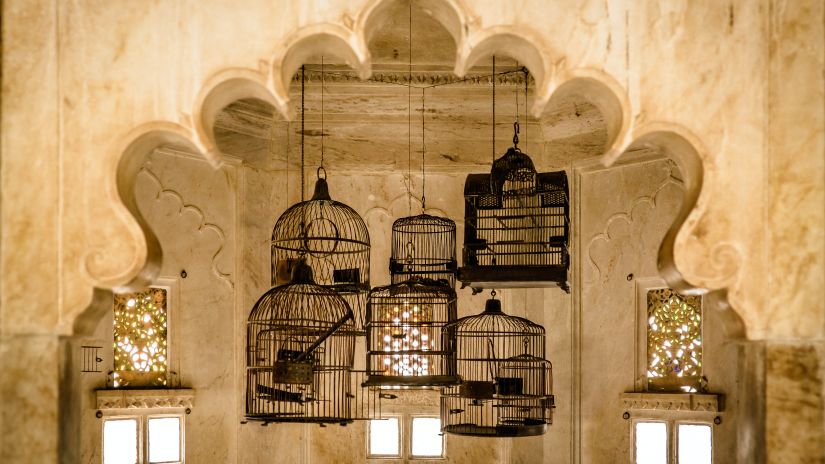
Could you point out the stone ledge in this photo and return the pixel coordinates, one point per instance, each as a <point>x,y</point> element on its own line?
<point>671,401</point>
<point>145,399</point>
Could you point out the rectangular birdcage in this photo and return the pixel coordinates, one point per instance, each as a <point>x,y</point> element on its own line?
<point>516,229</point>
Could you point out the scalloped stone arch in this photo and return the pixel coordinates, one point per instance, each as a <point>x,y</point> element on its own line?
<point>606,94</point>
<point>517,42</point>
<point>326,38</point>
<point>220,91</point>
<point>688,152</point>
<point>449,13</point>
<point>348,42</point>
<point>147,256</point>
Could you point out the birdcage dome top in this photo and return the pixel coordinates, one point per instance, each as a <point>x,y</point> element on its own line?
<point>321,226</point>
<point>423,223</point>
<point>419,287</point>
<point>494,321</point>
<point>300,303</point>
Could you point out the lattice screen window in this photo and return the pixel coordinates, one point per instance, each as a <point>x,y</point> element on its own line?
<point>674,341</point>
<point>140,338</point>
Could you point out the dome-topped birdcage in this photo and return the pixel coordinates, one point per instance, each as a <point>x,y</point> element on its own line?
<point>405,342</point>
<point>300,354</point>
<point>506,385</point>
<point>332,239</point>
<point>516,226</point>
<point>423,245</point>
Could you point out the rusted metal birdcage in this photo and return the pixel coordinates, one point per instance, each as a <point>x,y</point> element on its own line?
<point>405,343</point>
<point>506,385</point>
<point>516,226</point>
<point>423,245</point>
<point>332,239</point>
<point>300,354</point>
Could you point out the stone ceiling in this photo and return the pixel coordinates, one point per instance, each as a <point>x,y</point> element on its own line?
<point>376,124</point>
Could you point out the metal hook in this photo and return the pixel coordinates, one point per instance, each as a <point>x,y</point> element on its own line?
<point>516,129</point>
<point>318,173</point>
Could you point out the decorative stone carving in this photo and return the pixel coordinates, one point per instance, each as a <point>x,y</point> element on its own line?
<point>671,402</point>
<point>145,399</point>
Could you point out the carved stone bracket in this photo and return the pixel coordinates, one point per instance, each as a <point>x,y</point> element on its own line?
<point>671,402</point>
<point>145,399</point>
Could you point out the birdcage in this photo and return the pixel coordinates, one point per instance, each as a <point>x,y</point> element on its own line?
<point>332,239</point>
<point>516,226</point>
<point>300,353</point>
<point>506,383</point>
<point>405,342</point>
<point>423,245</point>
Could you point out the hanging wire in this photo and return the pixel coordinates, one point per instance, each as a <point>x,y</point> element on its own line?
<point>322,113</point>
<point>516,126</point>
<point>409,116</point>
<point>526,113</point>
<point>423,151</point>
<point>303,79</point>
<point>493,75</point>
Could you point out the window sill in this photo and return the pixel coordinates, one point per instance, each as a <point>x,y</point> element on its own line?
<point>698,402</point>
<point>166,398</point>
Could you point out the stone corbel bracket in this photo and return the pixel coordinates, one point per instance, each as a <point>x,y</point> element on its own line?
<point>694,402</point>
<point>145,399</point>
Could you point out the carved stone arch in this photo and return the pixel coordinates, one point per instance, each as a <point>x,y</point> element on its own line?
<point>449,13</point>
<point>606,94</point>
<point>140,145</point>
<point>306,42</point>
<point>145,260</point>
<point>683,147</point>
<point>520,43</point>
<point>220,91</point>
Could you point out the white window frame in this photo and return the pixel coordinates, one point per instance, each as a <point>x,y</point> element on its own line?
<point>409,442</point>
<point>143,433</point>
<point>405,419</point>
<point>672,436</point>
<point>387,457</point>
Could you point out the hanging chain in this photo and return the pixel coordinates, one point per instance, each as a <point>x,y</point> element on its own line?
<point>423,151</point>
<point>494,108</point>
<point>303,78</point>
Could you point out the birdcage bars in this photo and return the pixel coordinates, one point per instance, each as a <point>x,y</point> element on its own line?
<point>332,239</point>
<point>423,245</point>
<point>405,343</point>
<point>300,354</point>
<point>506,383</point>
<point>516,226</point>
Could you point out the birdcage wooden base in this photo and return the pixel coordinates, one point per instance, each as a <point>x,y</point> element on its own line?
<point>498,277</point>
<point>411,380</point>
<point>276,419</point>
<point>502,431</point>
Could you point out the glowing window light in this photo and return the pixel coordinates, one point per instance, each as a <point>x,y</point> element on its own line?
<point>402,337</point>
<point>140,327</point>
<point>674,340</point>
